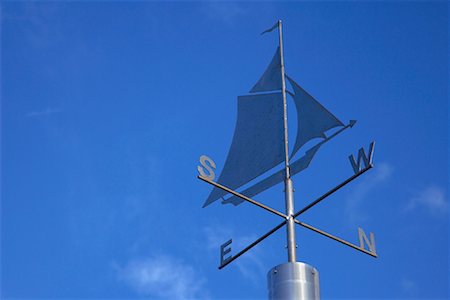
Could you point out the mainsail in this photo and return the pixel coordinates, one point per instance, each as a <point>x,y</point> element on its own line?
<point>278,177</point>
<point>258,141</point>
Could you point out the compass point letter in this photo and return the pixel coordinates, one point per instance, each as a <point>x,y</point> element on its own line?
<point>209,165</point>
<point>356,164</point>
<point>364,240</point>
<point>223,251</point>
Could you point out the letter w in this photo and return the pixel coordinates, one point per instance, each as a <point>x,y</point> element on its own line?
<point>356,164</point>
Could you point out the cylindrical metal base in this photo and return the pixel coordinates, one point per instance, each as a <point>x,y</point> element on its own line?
<point>291,281</point>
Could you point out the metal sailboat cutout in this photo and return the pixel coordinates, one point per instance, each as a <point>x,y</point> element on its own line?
<point>258,146</point>
<point>259,149</point>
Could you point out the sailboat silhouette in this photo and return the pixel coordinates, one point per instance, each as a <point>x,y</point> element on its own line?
<point>258,141</point>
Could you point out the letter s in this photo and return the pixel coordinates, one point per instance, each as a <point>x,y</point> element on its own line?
<point>209,165</point>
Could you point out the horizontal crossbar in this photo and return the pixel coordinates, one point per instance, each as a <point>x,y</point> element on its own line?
<point>335,238</point>
<point>332,191</point>
<point>253,244</point>
<point>228,190</point>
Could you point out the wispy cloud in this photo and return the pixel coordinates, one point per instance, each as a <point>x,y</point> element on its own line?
<point>408,286</point>
<point>163,277</point>
<point>223,11</point>
<point>361,190</point>
<point>43,112</point>
<point>35,18</point>
<point>250,264</point>
<point>432,199</point>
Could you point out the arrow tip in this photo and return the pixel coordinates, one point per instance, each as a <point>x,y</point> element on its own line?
<point>352,123</point>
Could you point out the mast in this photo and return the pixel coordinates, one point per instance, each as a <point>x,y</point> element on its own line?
<point>288,189</point>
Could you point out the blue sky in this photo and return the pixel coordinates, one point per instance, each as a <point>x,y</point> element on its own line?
<point>107,106</point>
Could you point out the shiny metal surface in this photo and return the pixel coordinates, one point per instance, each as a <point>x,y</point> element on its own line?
<point>288,190</point>
<point>370,243</point>
<point>361,248</point>
<point>290,225</point>
<point>210,175</point>
<point>291,281</point>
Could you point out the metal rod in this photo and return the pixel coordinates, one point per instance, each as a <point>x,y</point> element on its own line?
<point>288,190</point>
<point>290,227</point>
<point>253,244</point>
<point>283,91</point>
<point>332,191</point>
<point>335,238</point>
<point>274,211</point>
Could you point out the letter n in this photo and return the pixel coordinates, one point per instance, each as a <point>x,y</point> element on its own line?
<point>363,240</point>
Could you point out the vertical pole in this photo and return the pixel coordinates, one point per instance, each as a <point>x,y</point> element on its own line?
<point>288,189</point>
<point>293,281</point>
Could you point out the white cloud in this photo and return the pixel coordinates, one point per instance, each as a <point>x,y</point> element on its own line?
<point>432,198</point>
<point>382,172</point>
<point>163,277</point>
<point>44,112</point>
<point>249,264</point>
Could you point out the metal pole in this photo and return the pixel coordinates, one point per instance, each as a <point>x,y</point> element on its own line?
<point>289,195</point>
<point>293,281</point>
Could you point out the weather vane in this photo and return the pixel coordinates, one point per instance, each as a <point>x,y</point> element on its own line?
<point>260,146</point>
